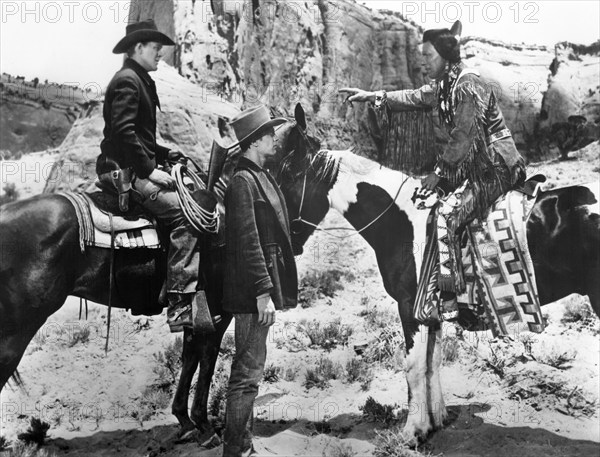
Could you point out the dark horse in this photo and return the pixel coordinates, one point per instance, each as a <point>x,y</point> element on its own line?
<point>563,234</point>
<point>41,264</point>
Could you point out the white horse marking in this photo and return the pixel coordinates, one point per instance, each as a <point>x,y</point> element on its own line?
<point>354,169</point>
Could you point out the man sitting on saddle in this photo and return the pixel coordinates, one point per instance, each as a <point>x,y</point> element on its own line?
<point>478,148</point>
<point>129,145</point>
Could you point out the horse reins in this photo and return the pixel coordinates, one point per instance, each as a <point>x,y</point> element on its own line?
<point>357,232</point>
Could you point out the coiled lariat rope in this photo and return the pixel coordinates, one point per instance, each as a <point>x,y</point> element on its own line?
<point>202,220</point>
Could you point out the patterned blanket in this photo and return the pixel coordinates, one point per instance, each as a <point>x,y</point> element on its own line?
<point>91,234</point>
<point>498,271</point>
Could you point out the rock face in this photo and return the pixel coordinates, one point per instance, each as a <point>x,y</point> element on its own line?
<point>570,112</point>
<point>189,120</point>
<point>35,117</point>
<point>236,54</point>
<point>518,74</point>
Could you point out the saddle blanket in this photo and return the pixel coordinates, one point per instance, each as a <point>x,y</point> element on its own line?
<point>95,226</point>
<point>498,270</point>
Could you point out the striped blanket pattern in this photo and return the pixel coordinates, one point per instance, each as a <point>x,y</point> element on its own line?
<point>89,235</point>
<point>498,270</point>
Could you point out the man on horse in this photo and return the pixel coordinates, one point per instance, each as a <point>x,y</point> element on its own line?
<point>130,152</point>
<point>477,146</point>
<point>260,270</point>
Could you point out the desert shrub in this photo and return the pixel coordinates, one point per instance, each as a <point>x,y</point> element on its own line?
<point>10,193</point>
<point>373,411</point>
<point>340,450</point>
<point>81,335</point>
<point>391,443</point>
<point>153,401</point>
<point>319,284</point>
<point>357,370</point>
<point>326,336</point>
<point>555,356</point>
<point>378,318</point>
<point>227,344</point>
<point>386,348</point>
<point>36,433</point>
<point>168,364</point>
<point>322,373</point>
<point>527,339</point>
<point>21,449</point>
<point>272,373</point>
<point>218,392</point>
<point>290,374</point>
<point>450,349</point>
<point>577,311</point>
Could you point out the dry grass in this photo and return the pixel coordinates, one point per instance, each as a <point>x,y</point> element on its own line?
<point>391,443</point>
<point>357,370</point>
<point>326,336</point>
<point>322,373</point>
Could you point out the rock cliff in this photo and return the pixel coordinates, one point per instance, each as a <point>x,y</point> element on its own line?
<point>235,54</point>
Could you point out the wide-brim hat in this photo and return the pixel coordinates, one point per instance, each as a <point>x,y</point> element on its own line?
<point>142,31</point>
<point>252,122</point>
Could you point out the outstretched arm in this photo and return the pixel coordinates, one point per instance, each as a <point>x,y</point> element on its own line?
<point>398,100</point>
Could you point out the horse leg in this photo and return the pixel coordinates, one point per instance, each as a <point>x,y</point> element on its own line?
<point>209,352</point>
<point>437,407</point>
<point>12,348</point>
<point>190,358</point>
<point>418,423</point>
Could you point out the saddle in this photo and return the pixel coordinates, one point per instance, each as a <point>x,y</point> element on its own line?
<point>99,219</point>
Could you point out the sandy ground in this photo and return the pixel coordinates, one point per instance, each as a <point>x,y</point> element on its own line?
<point>96,406</point>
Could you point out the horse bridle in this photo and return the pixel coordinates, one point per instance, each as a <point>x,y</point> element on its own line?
<point>316,226</point>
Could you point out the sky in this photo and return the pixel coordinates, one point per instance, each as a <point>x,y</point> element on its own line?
<point>71,41</point>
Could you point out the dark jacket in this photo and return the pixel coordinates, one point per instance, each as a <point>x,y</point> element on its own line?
<point>130,122</point>
<point>259,252</point>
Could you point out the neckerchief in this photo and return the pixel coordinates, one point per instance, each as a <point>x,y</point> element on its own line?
<point>444,99</point>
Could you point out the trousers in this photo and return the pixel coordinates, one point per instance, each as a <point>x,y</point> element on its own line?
<point>246,372</point>
<point>183,256</point>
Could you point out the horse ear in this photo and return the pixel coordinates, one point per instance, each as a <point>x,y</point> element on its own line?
<point>300,116</point>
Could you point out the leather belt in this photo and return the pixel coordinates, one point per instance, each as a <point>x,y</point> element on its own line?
<point>499,135</point>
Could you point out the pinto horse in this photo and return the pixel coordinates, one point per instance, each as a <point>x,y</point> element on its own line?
<point>41,264</point>
<point>563,234</point>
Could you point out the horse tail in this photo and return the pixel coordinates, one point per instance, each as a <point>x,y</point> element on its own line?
<point>17,379</point>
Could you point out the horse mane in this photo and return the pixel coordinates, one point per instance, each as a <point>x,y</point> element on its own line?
<point>349,162</point>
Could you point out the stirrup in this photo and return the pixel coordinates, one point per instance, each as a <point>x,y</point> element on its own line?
<point>182,318</point>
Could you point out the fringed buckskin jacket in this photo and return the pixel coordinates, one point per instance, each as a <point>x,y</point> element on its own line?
<point>477,144</point>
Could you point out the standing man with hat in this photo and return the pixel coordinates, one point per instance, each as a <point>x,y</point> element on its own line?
<point>129,145</point>
<point>260,271</point>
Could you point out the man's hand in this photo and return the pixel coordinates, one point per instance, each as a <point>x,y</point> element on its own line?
<point>162,179</point>
<point>430,182</point>
<point>175,156</point>
<point>266,310</point>
<point>357,95</point>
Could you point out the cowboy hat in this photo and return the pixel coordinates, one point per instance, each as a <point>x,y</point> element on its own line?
<point>138,32</point>
<point>252,122</point>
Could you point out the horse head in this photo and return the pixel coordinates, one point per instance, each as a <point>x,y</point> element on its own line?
<point>303,176</point>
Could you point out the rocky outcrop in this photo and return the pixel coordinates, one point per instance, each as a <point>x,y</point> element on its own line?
<point>35,117</point>
<point>235,54</point>
<point>570,112</point>
<point>518,74</point>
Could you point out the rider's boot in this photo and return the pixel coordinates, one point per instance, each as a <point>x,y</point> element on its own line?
<point>179,312</point>
<point>449,306</point>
